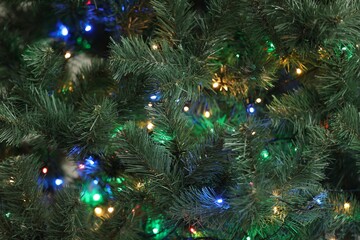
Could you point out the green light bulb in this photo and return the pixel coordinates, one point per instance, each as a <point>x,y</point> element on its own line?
<point>264,154</point>
<point>155,230</point>
<point>96,197</point>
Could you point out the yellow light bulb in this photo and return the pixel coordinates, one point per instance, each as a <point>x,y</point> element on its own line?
<point>258,100</point>
<point>150,104</point>
<point>346,206</point>
<point>186,109</point>
<point>207,114</point>
<point>150,126</point>
<point>98,211</point>
<point>110,209</point>
<point>155,46</point>
<point>253,133</point>
<point>275,210</point>
<point>67,55</point>
<point>216,85</point>
<point>298,71</point>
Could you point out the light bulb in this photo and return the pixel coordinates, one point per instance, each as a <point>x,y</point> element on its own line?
<point>207,114</point>
<point>298,71</point>
<point>219,200</point>
<point>98,211</point>
<point>64,31</point>
<point>253,133</point>
<point>251,109</point>
<point>258,100</point>
<point>186,109</point>
<point>44,170</point>
<point>155,46</point>
<point>150,126</point>
<point>88,28</point>
<point>67,55</point>
<point>216,85</point>
<point>346,206</point>
<point>153,97</point>
<point>275,210</point>
<point>155,230</point>
<point>96,197</point>
<point>110,209</point>
<point>192,230</point>
<point>58,181</point>
<point>95,182</point>
<point>248,238</point>
<point>81,166</point>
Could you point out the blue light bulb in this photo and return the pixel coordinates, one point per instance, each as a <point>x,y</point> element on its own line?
<point>219,200</point>
<point>88,28</point>
<point>153,97</point>
<point>58,181</point>
<point>95,182</point>
<point>64,31</point>
<point>251,109</point>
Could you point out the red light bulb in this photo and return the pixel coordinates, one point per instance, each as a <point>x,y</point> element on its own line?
<point>44,170</point>
<point>192,230</point>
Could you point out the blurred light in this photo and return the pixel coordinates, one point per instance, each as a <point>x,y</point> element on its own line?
<point>155,46</point>
<point>110,209</point>
<point>248,238</point>
<point>215,85</point>
<point>90,160</point>
<point>150,126</point>
<point>186,109</point>
<point>81,166</point>
<point>88,2</point>
<point>64,31</point>
<point>155,230</point>
<point>96,197</point>
<point>88,28</point>
<point>67,55</point>
<point>44,170</point>
<point>253,133</point>
<point>258,100</point>
<point>346,206</point>
<point>153,97</point>
<point>237,55</point>
<point>344,48</point>
<point>192,230</point>
<point>298,71</point>
<point>95,182</point>
<point>264,154</point>
<point>98,211</point>
<point>219,200</point>
<point>275,210</point>
<point>58,181</point>
<point>150,104</point>
<point>207,114</point>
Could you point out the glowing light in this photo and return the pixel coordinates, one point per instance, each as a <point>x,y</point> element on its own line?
<point>237,55</point>
<point>215,85</point>
<point>207,114</point>
<point>155,46</point>
<point>346,206</point>
<point>150,104</point>
<point>248,238</point>
<point>155,230</point>
<point>219,200</point>
<point>258,100</point>
<point>81,166</point>
<point>192,230</point>
<point>44,170</point>
<point>253,133</point>
<point>7,215</point>
<point>344,48</point>
<point>150,126</point>
<point>110,209</point>
<point>95,182</point>
<point>98,211</point>
<point>96,197</point>
<point>276,210</point>
<point>298,71</point>
<point>88,2</point>
<point>90,160</point>
<point>88,28</point>
<point>186,109</point>
<point>64,31</point>
<point>153,97</point>
<point>67,55</point>
<point>59,181</point>
<point>251,109</point>
<point>265,154</point>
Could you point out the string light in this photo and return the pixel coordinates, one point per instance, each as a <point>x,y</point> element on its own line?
<point>207,114</point>
<point>150,104</point>
<point>258,100</point>
<point>96,197</point>
<point>95,182</point>
<point>110,209</point>
<point>253,133</point>
<point>248,238</point>
<point>150,126</point>
<point>88,27</point>
<point>153,97</point>
<point>192,230</point>
<point>264,154</point>
<point>155,230</point>
<point>346,206</point>
<point>64,31</point>
<point>250,109</point>
<point>81,166</point>
<point>219,200</point>
<point>67,55</point>
<point>276,210</point>
<point>44,170</point>
<point>59,181</point>
<point>215,85</point>
<point>186,109</point>
<point>298,71</point>
<point>98,211</point>
<point>155,46</point>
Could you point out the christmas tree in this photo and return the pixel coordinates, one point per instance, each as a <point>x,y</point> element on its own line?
<point>179,119</point>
